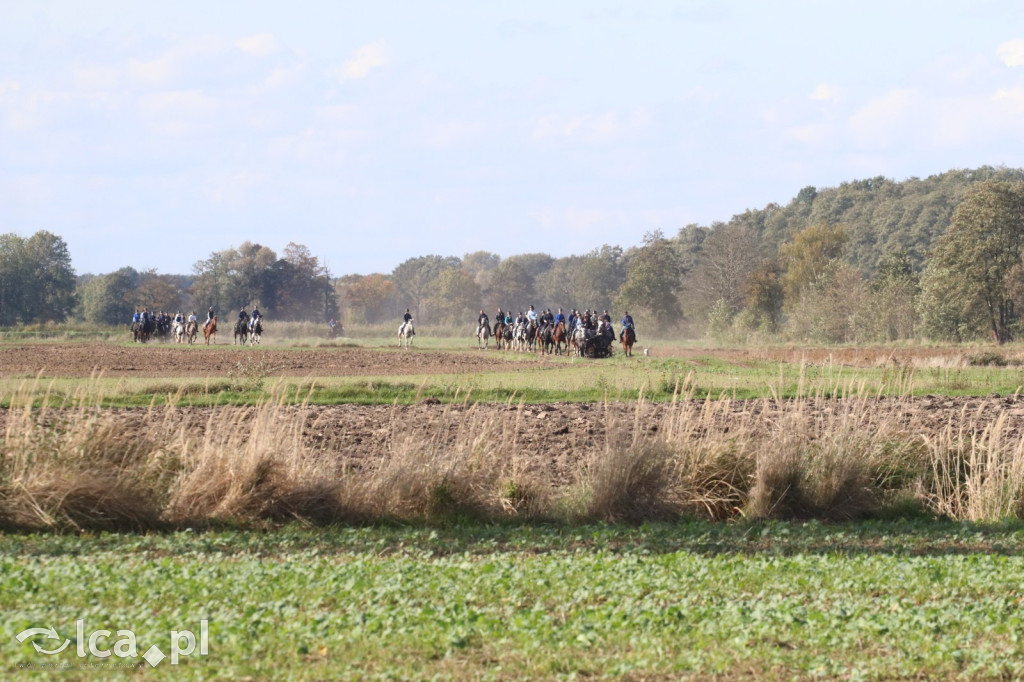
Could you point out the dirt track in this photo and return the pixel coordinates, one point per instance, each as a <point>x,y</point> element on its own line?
<point>169,360</point>
<point>159,360</point>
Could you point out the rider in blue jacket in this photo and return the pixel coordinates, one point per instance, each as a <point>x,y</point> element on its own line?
<point>627,323</point>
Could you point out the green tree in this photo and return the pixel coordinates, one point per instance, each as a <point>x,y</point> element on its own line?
<point>370,298</point>
<point>109,298</point>
<point>458,296</point>
<point>511,288</point>
<point>982,245</point>
<point>652,283</point>
<point>416,281</point>
<point>728,258</point>
<point>890,307</point>
<point>37,282</point>
<point>806,258</point>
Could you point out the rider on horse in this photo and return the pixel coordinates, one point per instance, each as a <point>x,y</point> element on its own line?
<point>405,320</point>
<point>209,318</point>
<point>481,322</point>
<point>627,323</point>
<point>255,316</point>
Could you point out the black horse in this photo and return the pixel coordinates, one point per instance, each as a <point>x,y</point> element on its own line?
<point>241,332</point>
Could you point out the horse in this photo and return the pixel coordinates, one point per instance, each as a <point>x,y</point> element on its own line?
<point>519,337</point>
<point>179,332</point>
<point>545,336</point>
<point>241,331</point>
<point>257,332</point>
<point>191,331</point>
<point>531,335</point>
<point>499,334</point>
<point>560,338</point>
<point>139,333</point>
<point>210,330</point>
<point>483,335</point>
<point>405,334</point>
<point>628,339</point>
<point>578,339</point>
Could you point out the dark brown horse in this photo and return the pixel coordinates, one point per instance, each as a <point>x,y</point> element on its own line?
<point>499,334</point>
<point>561,338</point>
<point>628,339</point>
<point>210,330</point>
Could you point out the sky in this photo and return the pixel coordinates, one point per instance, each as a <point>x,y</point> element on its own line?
<point>151,133</point>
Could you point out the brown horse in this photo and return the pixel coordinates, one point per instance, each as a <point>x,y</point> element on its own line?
<point>561,338</point>
<point>499,334</point>
<point>628,339</point>
<point>210,330</point>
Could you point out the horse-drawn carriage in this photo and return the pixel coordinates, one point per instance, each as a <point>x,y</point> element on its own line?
<point>596,345</point>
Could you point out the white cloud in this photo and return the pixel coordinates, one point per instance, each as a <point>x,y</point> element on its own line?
<point>1012,97</point>
<point>179,112</point>
<point>1012,53</point>
<point>590,127</point>
<point>279,77</point>
<point>809,134</point>
<point>154,71</point>
<point>187,102</point>
<point>259,45</point>
<point>233,189</point>
<point>365,59</point>
<point>879,121</point>
<point>446,134</point>
<point>825,93</point>
<point>93,77</point>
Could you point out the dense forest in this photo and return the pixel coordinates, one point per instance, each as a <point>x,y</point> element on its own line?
<point>869,260</point>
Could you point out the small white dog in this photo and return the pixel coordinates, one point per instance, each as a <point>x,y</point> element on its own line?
<point>647,351</point>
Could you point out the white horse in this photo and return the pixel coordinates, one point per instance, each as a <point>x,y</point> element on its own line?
<point>483,335</point>
<point>256,333</point>
<point>405,334</point>
<point>179,332</point>
<point>578,339</point>
<point>519,337</point>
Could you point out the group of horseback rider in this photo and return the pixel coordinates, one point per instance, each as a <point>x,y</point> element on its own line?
<point>161,322</point>
<point>585,320</point>
<point>244,317</point>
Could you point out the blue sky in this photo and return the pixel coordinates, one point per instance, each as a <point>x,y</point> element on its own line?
<point>151,134</point>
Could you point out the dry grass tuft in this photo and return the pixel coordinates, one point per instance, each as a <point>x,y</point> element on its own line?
<point>79,467</point>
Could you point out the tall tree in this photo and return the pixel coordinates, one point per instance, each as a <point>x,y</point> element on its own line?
<point>37,282</point>
<point>808,255</point>
<point>729,257</point>
<point>109,298</point>
<point>652,283</point>
<point>416,280</point>
<point>983,244</point>
<point>368,297</point>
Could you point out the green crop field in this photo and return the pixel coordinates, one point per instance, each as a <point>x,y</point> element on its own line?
<point>279,567</point>
<point>775,601</point>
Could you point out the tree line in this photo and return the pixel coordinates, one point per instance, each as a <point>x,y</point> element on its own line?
<point>38,284</point>
<point>869,260</point>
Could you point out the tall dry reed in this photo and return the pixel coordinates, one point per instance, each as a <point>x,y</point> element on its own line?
<point>840,454</point>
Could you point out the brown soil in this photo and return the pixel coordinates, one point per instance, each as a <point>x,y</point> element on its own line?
<point>168,360</point>
<point>158,360</point>
<point>559,434</point>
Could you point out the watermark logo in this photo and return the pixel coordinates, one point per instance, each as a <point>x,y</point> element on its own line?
<point>182,643</point>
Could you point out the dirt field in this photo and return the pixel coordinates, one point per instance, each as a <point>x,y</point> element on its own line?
<point>560,434</point>
<point>164,360</point>
<point>159,360</point>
